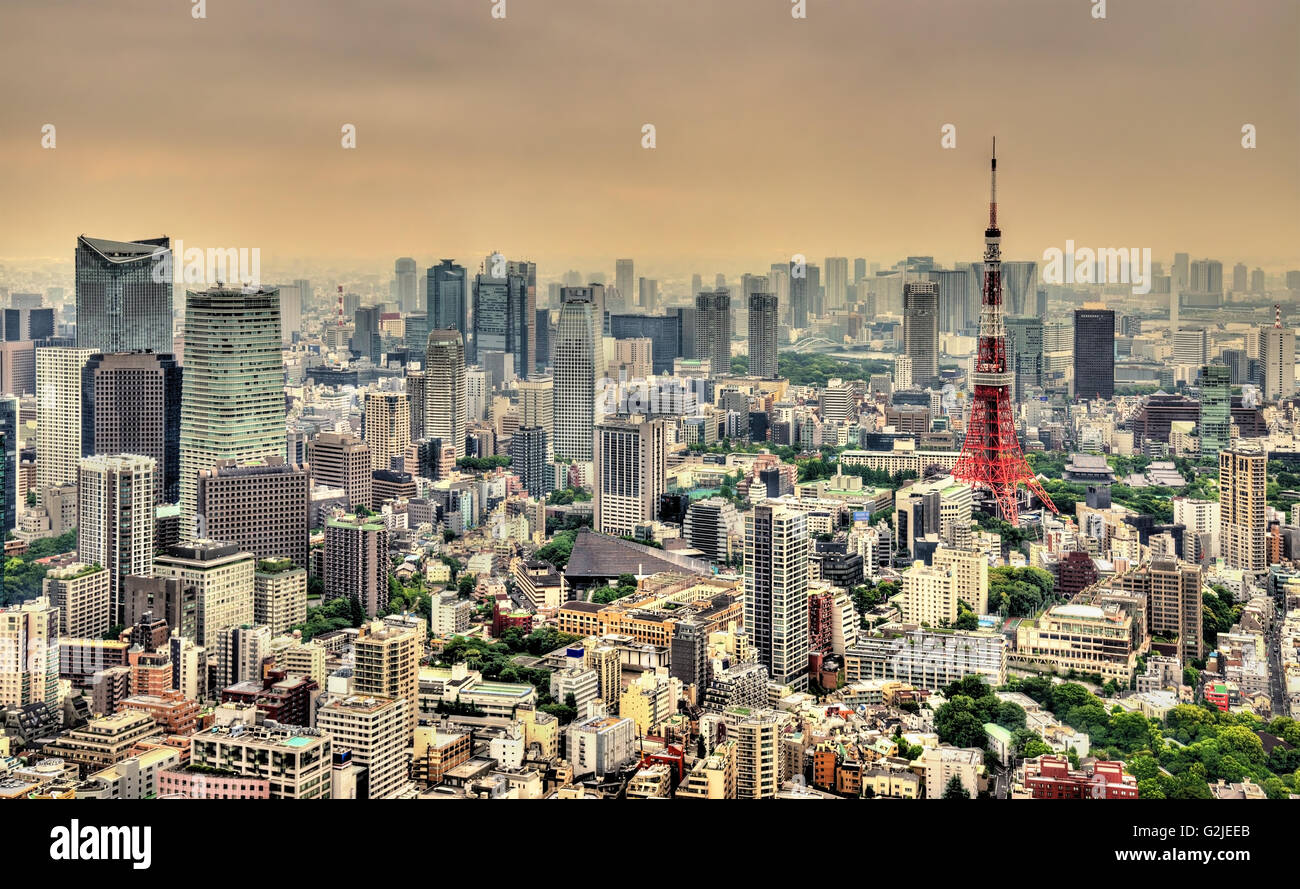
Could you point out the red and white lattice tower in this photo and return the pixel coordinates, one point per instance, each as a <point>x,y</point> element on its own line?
<point>340,305</point>
<point>991,457</point>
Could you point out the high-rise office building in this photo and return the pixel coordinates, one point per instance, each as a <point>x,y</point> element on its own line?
<point>342,460</point>
<point>279,595</point>
<point>445,391</point>
<point>528,460</point>
<point>502,320</point>
<point>232,402</point>
<point>8,464</point>
<point>386,663</point>
<point>417,329</point>
<point>406,279</point>
<point>1243,483</point>
<point>356,562</point>
<point>625,281</point>
<point>1094,353</point>
<point>124,295</point>
<point>260,505</point>
<point>58,415</point>
<point>763,313</point>
<point>1019,287</point>
<point>448,298</point>
<point>386,426</point>
<point>1277,360</point>
<point>664,332</point>
<point>1239,278</point>
<point>776,591</point>
<point>578,362</point>
<point>115,518</point>
<point>291,299</point>
<point>417,398</point>
<point>374,731</point>
<point>81,593</point>
<point>954,290</point>
<point>221,576</point>
<point>1191,346</point>
<point>367,341</point>
<point>537,406</point>
<point>648,294</point>
<point>1024,343</point>
<point>713,330</point>
<point>801,296</point>
<point>1216,409</point>
<point>921,330</point>
<point>131,404</point>
<point>29,653</point>
<point>837,282</point>
<point>631,468</point>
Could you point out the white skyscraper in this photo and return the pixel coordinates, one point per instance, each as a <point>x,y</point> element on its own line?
<point>631,468</point>
<point>115,518</point>
<point>776,591</point>
<point>837,282</point>
<point>577,362</point>
<point>445,389</point>
<point>58,415</point>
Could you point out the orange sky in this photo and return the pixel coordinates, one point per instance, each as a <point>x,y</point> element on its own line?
<point>775,136</point>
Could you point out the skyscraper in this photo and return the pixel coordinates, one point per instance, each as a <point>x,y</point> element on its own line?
<point>291,300</point>
<point>58,415</point>
<point>502,320</point>
<point>131,404</point>
<point>713,330</point>
<point>921,330</point>
<point>115,518</point>
<point>630,472</point>
<point>578,362</point>
<point>625,281</point>
<point>530,461</point>
<point>1025,353</point>
<point>1277,359</point>
<point>1242,508</point>
<point>259,505</point>
<point>407,278</point>
<point>1019,286</point>
<point>386,426</point>
<point>232,403</point>
<point>367,342</point>
<point>954,288</point>
<point>342,460</point>
<point>29,654</point>
<point>776,591</point>
<point>804,284</point>
<point>763,311</point>
<point>1094,352</point>
<point>1216,408</point>
<point>448,305</point>
<point>122,304</point>
<point>356,562</point>
<point>8,464</point>
<point>444,380</point>
<point>837,282</point>
<point>537,407</point>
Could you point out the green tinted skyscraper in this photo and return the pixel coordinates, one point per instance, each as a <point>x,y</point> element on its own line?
<point>232,406</point>
<point>1216,409</point>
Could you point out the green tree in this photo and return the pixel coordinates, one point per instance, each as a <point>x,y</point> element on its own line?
<point>955,790</point>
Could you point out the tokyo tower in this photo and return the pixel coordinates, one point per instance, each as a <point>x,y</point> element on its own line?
<point>991,457</point>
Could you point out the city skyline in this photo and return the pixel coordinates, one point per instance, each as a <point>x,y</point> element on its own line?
<point>1141,93</point>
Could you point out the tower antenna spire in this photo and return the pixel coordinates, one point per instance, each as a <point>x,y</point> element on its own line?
<point>991,457</point>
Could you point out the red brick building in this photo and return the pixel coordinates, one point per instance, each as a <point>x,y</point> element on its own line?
<point>1050,777</point>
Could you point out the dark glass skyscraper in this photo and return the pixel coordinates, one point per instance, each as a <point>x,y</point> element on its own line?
<point>921,330</point>
<point>1094,353</point>
<point>1216,408</point>
<point>762,335</point>
<point>501,322</point>
<point>713,330</point>
<point>131,404</point>
<point>120,305</point>
<point>8,464</point>
<point>663,331</point>
<point>448,303</point>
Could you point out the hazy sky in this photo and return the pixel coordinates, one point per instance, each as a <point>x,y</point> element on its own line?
<point>774,136</point>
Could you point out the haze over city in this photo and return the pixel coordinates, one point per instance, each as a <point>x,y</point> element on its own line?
<point>774,136</point>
